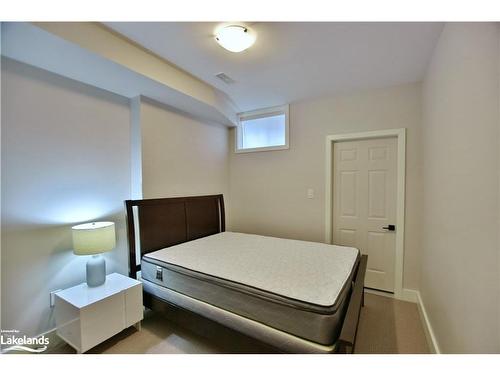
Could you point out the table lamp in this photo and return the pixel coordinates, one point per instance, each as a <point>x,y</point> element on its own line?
<point>93,239</point>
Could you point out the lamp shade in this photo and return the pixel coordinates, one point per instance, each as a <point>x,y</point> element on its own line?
<point>93,238</point>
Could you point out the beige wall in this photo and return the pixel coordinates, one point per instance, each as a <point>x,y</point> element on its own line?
<point>268,189</point>
<point>460,269</point>
<point>65,160</point>
<point>180,155</point>
<point>105,42</point>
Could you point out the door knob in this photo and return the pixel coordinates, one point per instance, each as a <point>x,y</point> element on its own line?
<point>390,227</point>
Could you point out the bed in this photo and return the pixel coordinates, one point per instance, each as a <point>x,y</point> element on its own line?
<point>288,295</point>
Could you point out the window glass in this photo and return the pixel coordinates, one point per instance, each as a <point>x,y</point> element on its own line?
<point>263,132</point>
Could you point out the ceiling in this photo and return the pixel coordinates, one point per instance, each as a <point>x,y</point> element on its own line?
<point>293,61</point>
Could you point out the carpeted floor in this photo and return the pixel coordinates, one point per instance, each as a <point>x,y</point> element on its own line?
<point>386,326</point>
<point>389,326</point>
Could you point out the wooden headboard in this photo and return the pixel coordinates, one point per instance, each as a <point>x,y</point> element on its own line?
<point>170,221</point>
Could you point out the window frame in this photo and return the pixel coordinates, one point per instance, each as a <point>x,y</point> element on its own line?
<point>262,113</point>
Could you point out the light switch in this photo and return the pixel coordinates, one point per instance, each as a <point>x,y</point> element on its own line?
<point>310,193</point>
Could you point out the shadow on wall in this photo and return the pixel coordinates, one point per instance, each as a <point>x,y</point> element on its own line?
<point>25,303</point>
<point>65,160</point>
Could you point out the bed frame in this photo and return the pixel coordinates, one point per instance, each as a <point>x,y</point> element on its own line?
<point>170,221</point>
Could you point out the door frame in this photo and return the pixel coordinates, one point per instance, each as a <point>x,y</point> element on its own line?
<point>400,135</point>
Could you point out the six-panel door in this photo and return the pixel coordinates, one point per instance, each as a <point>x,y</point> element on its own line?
<point>364,202</point>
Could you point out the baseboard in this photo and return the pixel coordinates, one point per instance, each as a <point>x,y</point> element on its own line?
<point>379,293</point>
<point>409,295</point>
<point>429,332</point>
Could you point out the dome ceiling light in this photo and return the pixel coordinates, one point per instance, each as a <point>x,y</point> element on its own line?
<point>235,38</point>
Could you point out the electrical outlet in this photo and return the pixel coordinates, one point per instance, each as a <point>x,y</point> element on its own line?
<point>310,193</point>
<point>53,297</point>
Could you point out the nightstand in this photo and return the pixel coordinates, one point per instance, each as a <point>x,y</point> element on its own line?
<point>87,316</point>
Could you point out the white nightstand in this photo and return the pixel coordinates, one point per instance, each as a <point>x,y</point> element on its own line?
<point>88,316</point>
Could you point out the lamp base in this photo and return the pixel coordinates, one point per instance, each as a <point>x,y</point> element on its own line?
<point>96,271</point>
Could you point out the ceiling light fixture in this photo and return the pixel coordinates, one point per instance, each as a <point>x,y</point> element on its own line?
<point>235,38</point>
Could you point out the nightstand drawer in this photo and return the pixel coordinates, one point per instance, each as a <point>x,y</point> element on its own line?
<point>102,319</point>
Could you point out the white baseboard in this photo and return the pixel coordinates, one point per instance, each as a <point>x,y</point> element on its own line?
<point>379,293</point>
<point>429,332</point>
<point>409,295</point>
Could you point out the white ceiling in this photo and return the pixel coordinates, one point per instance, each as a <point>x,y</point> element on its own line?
<point>293,61</point>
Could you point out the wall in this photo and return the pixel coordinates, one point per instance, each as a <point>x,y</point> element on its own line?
<point>268,189</point>
<point>65,160</point>
<point>460,269</point>
<point>97,38</point>
<point>181,155</point>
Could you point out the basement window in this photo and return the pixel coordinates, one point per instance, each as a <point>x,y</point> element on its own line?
<point>262,130</point>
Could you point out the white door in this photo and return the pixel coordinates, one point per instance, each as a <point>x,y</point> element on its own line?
<point>364,204</point>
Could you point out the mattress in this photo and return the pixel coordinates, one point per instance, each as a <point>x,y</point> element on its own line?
<point>298,287</point>
<point>286,342</point>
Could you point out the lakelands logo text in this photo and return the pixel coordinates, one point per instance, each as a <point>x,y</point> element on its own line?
<point>11,340</point>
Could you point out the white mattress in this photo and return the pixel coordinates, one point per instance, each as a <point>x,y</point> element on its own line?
<point>311,272</point>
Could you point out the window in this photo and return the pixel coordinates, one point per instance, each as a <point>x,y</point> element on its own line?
<point>262,130</point>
